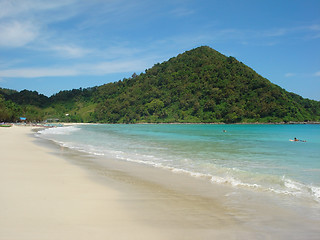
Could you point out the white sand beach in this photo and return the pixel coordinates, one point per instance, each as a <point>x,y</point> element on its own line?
<point>44,197</point>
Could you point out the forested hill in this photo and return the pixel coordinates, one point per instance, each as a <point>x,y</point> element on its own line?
<point>200,85</point>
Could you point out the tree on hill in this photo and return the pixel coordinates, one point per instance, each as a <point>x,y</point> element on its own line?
<point>9,111</point>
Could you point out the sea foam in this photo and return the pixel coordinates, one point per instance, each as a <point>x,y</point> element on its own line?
<point>59,130</point>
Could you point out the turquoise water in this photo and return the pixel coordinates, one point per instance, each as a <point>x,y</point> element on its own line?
<point>256,157</point>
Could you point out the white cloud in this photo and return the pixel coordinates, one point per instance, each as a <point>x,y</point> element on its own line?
<point>37,72</point>
<point>278,32</point>
<point>182,12</point>
<point>317,74</point>
<point>94,69</point>
<point>118,66</point>
<point>27,21</point>
<point>20,8</point>
<point>70,51</point>
<point>17,34</point>
<point>287,75</point>
<point>264,37</point>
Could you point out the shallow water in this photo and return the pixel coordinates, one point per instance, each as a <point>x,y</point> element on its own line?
<point>256,157</point>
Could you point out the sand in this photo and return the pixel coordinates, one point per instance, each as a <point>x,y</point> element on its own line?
<point>44,197</point>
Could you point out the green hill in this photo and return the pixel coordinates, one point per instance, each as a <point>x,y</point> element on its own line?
<point>200,85</point>
<point>14,104</point>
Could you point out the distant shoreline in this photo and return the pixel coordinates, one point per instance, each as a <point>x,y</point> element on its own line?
<point>179,123</point>
<point>255,123</point>
<point>173,123</point>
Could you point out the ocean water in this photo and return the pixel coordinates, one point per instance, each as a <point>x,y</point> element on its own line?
<point>256,157</point>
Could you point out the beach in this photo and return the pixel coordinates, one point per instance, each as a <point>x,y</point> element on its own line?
<point>50,192</point>
<point>45,197</point>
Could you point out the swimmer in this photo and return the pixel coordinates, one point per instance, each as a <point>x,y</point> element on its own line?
<point>297,140</point>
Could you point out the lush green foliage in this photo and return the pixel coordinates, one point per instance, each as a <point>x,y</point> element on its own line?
<point>200,85</point>
<point>8,110</point>
<point>14,105</point>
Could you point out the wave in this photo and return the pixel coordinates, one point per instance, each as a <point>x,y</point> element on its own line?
<point>58,131</point>
<point>285,185</point>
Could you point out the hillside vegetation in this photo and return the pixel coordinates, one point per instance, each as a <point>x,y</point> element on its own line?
<point>200,85</point>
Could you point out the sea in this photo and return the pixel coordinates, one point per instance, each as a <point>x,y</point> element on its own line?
<point>255,157</point>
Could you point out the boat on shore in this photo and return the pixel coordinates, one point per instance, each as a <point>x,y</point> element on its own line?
<point>5,125</point>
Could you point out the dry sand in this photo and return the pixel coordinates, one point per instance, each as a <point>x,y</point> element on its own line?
<point>43,196</point>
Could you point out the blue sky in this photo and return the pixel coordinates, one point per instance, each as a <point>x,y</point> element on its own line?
<point>50,46</point>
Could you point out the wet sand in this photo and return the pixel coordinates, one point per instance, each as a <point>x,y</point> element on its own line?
<point>48,192</point>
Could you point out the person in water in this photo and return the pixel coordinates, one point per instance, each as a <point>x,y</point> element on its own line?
<point>297,140</point>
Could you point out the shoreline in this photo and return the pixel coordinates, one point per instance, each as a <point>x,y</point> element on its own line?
<point>125,200</point>
<point>178,123</point>
<point>156,123</point>
<point>45,197</point>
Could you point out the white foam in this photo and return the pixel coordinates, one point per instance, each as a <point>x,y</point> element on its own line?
<point>59,130</point>
<point>292,184</point>
<point>191,173</point>
<point>233,182</point>
<point>315,191</point>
